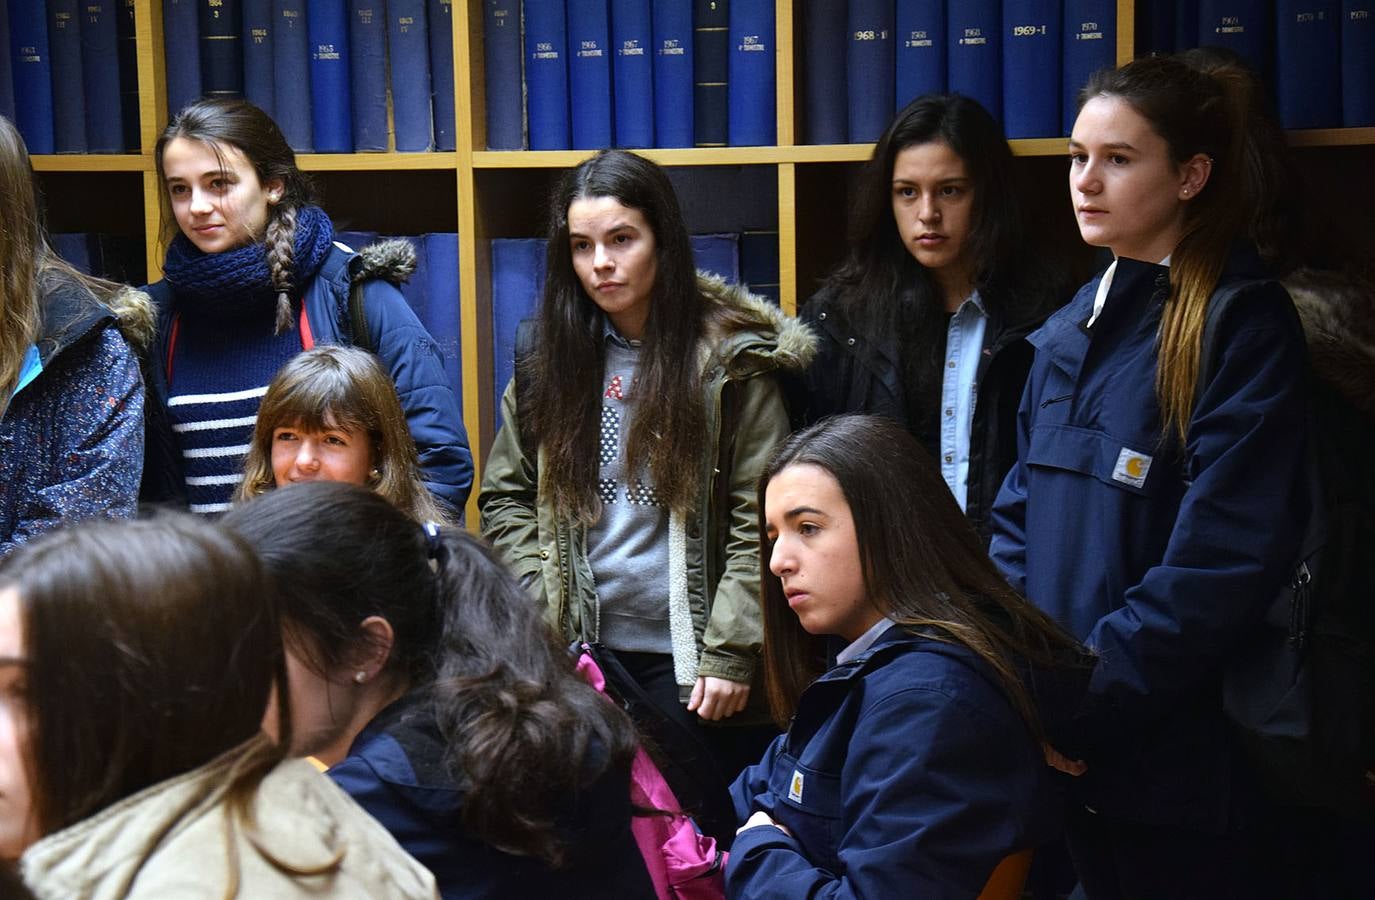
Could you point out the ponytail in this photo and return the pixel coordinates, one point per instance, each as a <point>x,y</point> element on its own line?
<point>523,731</point>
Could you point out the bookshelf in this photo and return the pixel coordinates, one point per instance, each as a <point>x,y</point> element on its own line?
<point>493,194</point>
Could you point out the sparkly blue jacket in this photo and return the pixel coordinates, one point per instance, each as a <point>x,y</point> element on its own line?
<point>71,434</point>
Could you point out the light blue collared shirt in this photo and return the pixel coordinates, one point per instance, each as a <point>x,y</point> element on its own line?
<point>964,343</point>
<point>864,641</point>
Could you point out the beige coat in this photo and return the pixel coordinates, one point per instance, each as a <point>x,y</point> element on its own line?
<point>172,840</point>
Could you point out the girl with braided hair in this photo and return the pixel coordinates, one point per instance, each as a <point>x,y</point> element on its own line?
<point>252,276</point>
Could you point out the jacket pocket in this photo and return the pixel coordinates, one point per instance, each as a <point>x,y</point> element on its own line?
<point>1095,453</point>
<point>808,803</point>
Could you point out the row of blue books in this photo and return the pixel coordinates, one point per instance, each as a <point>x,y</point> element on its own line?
<point>322,69</point>
<point>1024,60</point>
<point>115,257</point>
<point>69,74</point>
<point>1318,55</point>
<point>586,74</point>
<point>518,269</point>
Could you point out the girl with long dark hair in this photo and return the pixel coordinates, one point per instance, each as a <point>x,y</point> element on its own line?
<point>1157,507</point>
<point>925,319</point>
<point>915,763</point>
<point>137,661</point>
<point>620,488</point>
<point>71,393</point>
<point>426,680</point>
<point>252,277</point>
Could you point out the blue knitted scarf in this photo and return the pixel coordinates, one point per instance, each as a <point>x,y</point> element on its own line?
<point>237,282</point>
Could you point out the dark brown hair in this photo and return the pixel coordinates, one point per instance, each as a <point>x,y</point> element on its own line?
<point>561,383</point>
<point>239,124</point>
<point>519,725</point>
<point>152,649</point>
<point>924,566</point>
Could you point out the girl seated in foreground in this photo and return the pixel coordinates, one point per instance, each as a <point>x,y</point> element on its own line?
<point>424,677</point>
<point>915,764</point>
<point>133,688</point>
<point>332,414</point>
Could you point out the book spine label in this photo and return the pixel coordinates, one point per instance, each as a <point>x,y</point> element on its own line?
<point>1031,68</point>
<point>291,73</point>
<point>921,64</point>
<point>257,54</point>
<point>672,45</point>
<point>546,74</point>
<point>1242,26</point>
<point>408,48</point>
<point>752,120</point>
<point>501,68</point>
<point>1090,45</point>
<point>441,22</point>
<point>589,73</point>
<point>1358,73</point>
<point>869,68</point>
<point>1308,72</point>
<point>711,69</point>
<point>331,107</point>
<point>633,73</point>
<point>69,94</point>
<point>33,78</point>
<point>221,52</point>
<point>367,62</point>
<point>974,53</point>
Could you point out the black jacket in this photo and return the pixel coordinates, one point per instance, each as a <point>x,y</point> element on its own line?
<point>858,373</point>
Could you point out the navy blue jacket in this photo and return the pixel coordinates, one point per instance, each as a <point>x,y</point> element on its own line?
<point>407,352</point>
<point>1155,555</point>
<point>905,773</point>
<point>395,770</point>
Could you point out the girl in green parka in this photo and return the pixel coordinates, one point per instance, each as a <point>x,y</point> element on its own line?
<point>621,486</point>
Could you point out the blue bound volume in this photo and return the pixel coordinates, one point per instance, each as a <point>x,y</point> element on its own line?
<point>181,40</point>
<point>546,74</point>
<point>1308,69</point>
<point>752,120</point>
<point>440,14</point>
<point>1031,68</point>
<point>921,62</point>
<point>718,254</point>
<point>127,32</point>
<point>1358,74</point>
<point>257,54</point>
<point>589,73</point>
<point>1090,45</point>
<point>1155,28</point>
<point>673,114</point>
<point>501,66</point>
<point>632,72</point>
<point>416,289</point>
<point>221,52</point>
<point>367,62</point>
<point>1185,24</point>
<point>408,48</point>
<point>291,73</point>
<point>518,267</point>
<point>759,262</point>
<point>331,106</point>
<point>6,75</point>
<point>823,73</point>
<point>69,95</point>
<point>1241,26</point>
<point>869,73</point>
<point>711,69</point>
<point>975,53</point>
<point>444,321</point>
<point>33,78</point>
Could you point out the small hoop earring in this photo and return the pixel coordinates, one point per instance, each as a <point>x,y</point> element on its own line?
<point>375,474</point>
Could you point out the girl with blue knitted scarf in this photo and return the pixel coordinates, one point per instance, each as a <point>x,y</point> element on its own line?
<point>252,276</point>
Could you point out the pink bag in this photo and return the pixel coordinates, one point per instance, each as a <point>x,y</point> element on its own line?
<point>683,863</point>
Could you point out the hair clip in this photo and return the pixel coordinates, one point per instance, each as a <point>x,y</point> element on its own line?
<point>432,542</point>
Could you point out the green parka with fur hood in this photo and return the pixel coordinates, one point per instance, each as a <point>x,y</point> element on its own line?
<point>714,549</point>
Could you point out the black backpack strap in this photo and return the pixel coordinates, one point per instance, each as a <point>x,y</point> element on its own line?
<point>527,335</point>
<point>358,318</point>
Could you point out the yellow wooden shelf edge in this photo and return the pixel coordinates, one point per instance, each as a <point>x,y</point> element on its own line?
<point>1332,137</point>
<point>92,162</point>
<point>377,162</point>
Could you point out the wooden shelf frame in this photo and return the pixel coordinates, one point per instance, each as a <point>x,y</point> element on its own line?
<point>476,207</point>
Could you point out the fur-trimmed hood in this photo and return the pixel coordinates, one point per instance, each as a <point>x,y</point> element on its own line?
<point>1338,314</point>
<point>759,334</point>
<point>392,259</point>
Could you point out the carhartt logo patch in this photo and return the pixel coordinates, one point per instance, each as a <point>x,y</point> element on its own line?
<point>1131,467</point>
<point>795,787</point>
